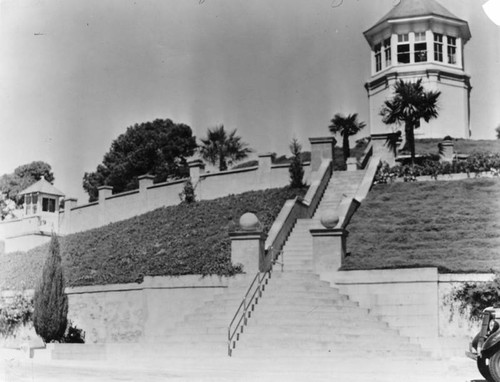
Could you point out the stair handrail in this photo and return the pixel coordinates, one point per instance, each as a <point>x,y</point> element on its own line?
<point>243,310</point>
<point>278,234</point>
<point>367,154</point>
<point>367,182</point>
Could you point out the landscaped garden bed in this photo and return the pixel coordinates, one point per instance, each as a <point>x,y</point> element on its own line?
<point>177,240</point>
<point>454,226</point>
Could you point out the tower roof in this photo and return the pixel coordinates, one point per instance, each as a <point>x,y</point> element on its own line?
<point>408,9</point>
<point>43,187</point>
<point>415,8</point>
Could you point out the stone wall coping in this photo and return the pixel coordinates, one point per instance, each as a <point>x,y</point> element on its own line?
<point>327,231</point>
<point>465,277</point>
<point>286,165</point>
<point>322,139</point>
<point>387,276</point>
<point>105,187</point>
<point>145,176</point>
<point>35,232</point>
<point>247,235</point>
<point>85,205</point>
<point>16,220</point>
<point>367,181</point>
<point>450,177</point>
<point>124,193</point>
<point>221,173</point>
<point>166,184</point>
<point>156,282</point>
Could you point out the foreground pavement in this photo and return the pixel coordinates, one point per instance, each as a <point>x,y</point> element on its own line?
<point>15,367</point>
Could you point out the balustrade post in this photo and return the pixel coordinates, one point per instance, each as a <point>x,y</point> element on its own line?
<point>247,245</point>
<point>329,245</point>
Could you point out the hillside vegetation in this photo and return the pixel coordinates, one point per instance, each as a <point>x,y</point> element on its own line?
<point>461,146</point>
<point>453,225</point>
<point>176,240</point>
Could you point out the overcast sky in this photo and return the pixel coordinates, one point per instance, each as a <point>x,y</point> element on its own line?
<point>74,74</point>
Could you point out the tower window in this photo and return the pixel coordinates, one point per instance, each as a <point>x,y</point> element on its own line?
<point>438,47</point>
<point>403,49</point>
<point>378,58</point>
<point>387,52</point>
<point>48,205</point>
<point>452,50</point>
<point>420,47</point>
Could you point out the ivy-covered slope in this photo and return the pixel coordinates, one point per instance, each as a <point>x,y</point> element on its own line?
<point>176,240</point>
<point>452,225</point>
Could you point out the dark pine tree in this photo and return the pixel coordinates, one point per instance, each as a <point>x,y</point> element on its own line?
<point>296,170</point>
<point>50,301</point>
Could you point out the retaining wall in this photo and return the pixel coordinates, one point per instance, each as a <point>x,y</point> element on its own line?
<point>141,312</point>
<point>416,302</point>
<point>111,208</point>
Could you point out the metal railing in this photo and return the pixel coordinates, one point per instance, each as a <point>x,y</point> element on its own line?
<point>251,298</point>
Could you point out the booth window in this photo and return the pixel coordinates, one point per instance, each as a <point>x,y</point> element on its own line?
<point>403,49</point>
<point>48,205</point>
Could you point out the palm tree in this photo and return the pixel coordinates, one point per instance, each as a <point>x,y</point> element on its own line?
<point>346,126</point>
<point>409,104</point>
<point>223,148</point>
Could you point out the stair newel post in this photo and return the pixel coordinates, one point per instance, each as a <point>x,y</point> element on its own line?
<point>247,245</point>
<point>329,245</point>
<point>321,149</point>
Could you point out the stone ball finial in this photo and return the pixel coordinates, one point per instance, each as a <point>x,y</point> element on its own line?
<point>329,219</point>
<point>249,222</point>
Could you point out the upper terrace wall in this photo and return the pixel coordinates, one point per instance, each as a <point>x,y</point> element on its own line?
<point>111,208</point>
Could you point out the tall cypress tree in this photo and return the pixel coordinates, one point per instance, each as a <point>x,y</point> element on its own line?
<point>296,171</point>
<point>50,301</point>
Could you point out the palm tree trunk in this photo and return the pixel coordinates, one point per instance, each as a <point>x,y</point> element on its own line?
<point>410,140</point>
<point>222,162</point>
<point>345,146</point>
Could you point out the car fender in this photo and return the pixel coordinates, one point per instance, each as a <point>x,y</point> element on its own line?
<point>491,345</point>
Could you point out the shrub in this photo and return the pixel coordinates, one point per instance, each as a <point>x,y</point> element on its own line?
<point>475,163</point>
<point>187,195</point>
<point>73,335</point>
<point>15,313</point>
<point>296,170</point>
<point>475,297</point>
<point>51,303</point>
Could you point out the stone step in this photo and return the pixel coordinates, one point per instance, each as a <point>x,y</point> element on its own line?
<point>406,310</point>
<point>338,356</point>
<point>322,333</point>
<point>304,311</point>
<point>340,343</point>
<point>303,304</point>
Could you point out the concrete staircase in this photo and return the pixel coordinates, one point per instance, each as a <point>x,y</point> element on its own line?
<point>297,252</point>
<point>298,313</point>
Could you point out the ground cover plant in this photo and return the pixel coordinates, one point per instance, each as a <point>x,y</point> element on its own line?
<point>460,146</point>
<point>473,166</point>
<point>454,226</point>
<point>190,238</point>
<point>473,297</point>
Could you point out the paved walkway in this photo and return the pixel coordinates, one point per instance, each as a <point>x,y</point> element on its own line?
<point>15,368</point>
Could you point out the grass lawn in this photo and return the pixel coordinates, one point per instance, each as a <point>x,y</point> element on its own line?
<point>453,225</point>
<point>175,240</point>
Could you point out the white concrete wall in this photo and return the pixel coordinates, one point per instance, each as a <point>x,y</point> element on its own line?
<point>141,312</point>
<point>453,103</point>
<point>208,186</point>
<point>416,302</point>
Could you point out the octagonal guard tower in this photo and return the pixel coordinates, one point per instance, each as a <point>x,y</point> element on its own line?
<point>420,39</point>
